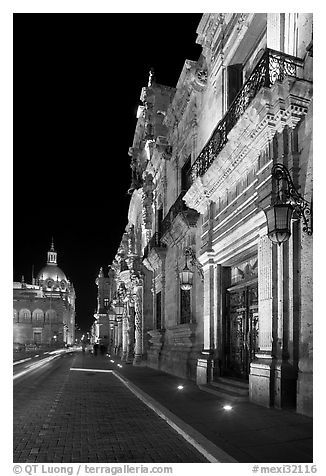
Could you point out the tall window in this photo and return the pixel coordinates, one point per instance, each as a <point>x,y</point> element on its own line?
<point>159,220</point>
<point>106,302</point>
<point>50,316</point>
<point>159,310</point>
<point>38,315</point>
<point>185,310</point>
<point>24,315</point>
<point>185,177</point>
<point>234,82</point>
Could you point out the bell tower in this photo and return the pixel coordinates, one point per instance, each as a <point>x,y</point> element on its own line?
<point>52,255</point>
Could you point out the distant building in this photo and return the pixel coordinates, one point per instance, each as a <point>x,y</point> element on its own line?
<point>101,331</point>
<point>44,311</point>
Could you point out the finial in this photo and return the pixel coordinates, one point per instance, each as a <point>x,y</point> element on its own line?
<point>52,245</point>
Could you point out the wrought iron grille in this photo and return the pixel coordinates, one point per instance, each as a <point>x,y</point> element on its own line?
<point>273,66</point>
<point>154,242</point>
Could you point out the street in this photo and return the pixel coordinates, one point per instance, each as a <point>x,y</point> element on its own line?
<point>87,415</point>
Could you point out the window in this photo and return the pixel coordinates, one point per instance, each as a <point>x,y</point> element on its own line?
<point>38,315</point>
<point>159,220</point>
<point>50,283</point>
<point>234,82</point>
<point>159,310</point>
<point>106,302</point>
<point>50,315</point>
<point>185,311</point>
<point>185,175</point>
<point>15,314</point>
<point>24,315</point>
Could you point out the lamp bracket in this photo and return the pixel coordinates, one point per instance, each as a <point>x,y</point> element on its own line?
<point>290,195</point>
<point>189,253</point>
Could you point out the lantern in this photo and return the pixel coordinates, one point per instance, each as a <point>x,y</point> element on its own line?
<point>288,200</point>
<point>186,278</point>
<point>112,316</point>
<point>279,222</point>
<point>119,307</point>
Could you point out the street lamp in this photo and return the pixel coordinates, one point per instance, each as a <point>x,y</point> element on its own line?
<point>186,275</point>
<point>112,316</point>
<point>288,201</point>
<point>186,278</point>
<point>118,305</point>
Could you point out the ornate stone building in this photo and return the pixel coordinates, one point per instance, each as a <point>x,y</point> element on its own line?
<point>44,311</point>
<point>213,292</point>
<point>102,333</point>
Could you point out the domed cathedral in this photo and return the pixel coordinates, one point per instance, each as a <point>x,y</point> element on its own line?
<point>44,311</point>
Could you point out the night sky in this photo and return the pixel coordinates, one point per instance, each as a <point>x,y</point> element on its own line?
<point>77,84</point>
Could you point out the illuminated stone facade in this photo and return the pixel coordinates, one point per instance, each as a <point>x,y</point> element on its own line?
<point>201,181</point>
<point>44,311</point>
<point>102,332</point>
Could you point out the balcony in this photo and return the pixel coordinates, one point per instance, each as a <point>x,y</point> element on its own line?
<point>179,209</point>
<point>156,244</point>
<point>273,67</point>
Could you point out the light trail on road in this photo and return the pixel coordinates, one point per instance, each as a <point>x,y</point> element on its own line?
<point>39,363</point>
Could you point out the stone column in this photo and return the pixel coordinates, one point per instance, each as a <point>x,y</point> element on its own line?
<point>111,335</point>
<point>218,327</point>
<point>204,363</point>
<point>130,335</point>
<point>285,373</point>
<point>261,369</point>
<point>138,324</point>
<point>120,336</point>
<point>115,337</point>
<point>124,338</point>
<point>274,31</point>
<point>305,365</point>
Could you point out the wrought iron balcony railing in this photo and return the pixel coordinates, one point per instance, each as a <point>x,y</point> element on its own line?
<point>154,242</point>
<point>273,66</point>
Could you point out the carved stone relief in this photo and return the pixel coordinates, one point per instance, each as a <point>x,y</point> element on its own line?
<point>147,201</point>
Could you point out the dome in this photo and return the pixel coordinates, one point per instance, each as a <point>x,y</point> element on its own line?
<point>51,271</point>
<point>51,276</point>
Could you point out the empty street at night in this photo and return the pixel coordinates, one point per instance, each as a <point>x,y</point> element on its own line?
<point>78,407</point>
<point>62,415</point>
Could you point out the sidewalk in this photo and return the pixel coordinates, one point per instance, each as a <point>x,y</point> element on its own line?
<point>247,433</point>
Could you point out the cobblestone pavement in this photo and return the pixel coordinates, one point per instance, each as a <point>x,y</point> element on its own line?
<point>69,416</point>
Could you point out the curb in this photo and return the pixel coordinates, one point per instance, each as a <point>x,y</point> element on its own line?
<point>211,452</point>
